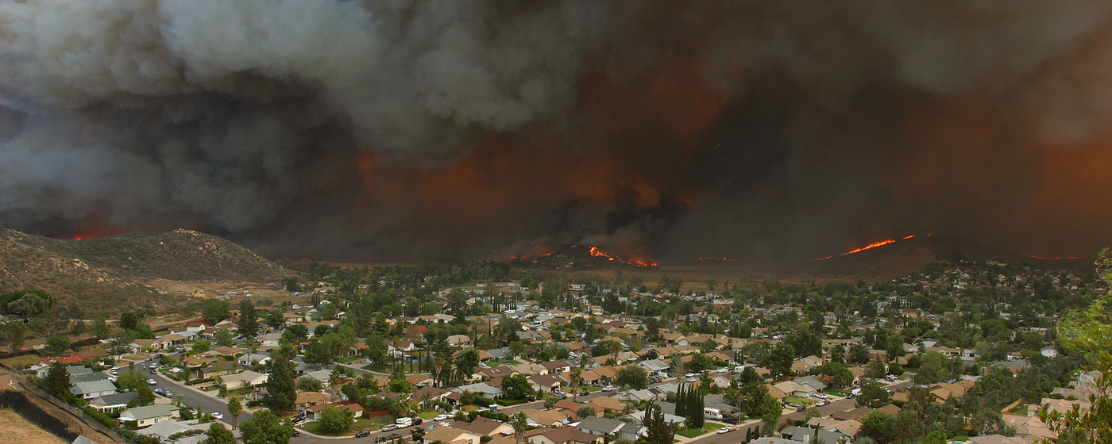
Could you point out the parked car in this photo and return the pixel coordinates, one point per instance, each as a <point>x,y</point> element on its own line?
<point>442,417</point>
<point>151,382</point>
<point>608,388</point>
<point>394,436</point>
<point>363,434</point>
<point>296,432</point>
<point>388,427</point>
<point>723,430</point>
<point>585,393</point>
<point>217,415</point>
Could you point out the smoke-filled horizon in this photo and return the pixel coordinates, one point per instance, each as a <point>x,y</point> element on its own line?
<point>482,129</point>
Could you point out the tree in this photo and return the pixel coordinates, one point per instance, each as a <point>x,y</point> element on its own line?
<point>235,408</point>
<point>217,434</point>
<point>335,420</point>
<point>858,354</point>
<point>872,395</point>
<point>1089,332</point>
<point>146,395</point>
<point>549,401</point>
<point>659,430</point>
<point>770,414</point>
<point>201,346</point>
<point>319,353</point>
<point>576,378</point>
<point>309,384</point>
<point>212,310</point>
<point>131,380</point>
<point>520,424</point>
<point>56,344</point>
<point>585,411</point>
<point>12,332</point>
<point>248,320</point>
<point>465,363</point>
<point>516,387</point>
<point>57,380</point>
<point>633,377</point>
<point>264,428</point>
<point>780,361</point>
<point>280,387</point>
<point>876,369</point>
<point>100,327</point>
<point>224,337</point>
<point>838,372</point>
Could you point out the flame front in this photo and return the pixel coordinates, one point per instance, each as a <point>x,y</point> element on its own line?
<point>1058,258</point>
<point>597,252</point>
<point>858,250</point>
<point>722,258</point>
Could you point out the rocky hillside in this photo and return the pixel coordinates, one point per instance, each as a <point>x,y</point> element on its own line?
<point>106,274</point>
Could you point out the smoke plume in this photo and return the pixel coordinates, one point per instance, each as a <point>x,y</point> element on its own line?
<point>472,129</point>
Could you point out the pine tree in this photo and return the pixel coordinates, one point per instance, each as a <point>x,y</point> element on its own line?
<point>659,431</point>
<point>57,381</point>
<point>248,319</point>
<point>280,387</point>
<point>681,401</point>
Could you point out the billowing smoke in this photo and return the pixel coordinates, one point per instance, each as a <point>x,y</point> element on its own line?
<point>403,129</point>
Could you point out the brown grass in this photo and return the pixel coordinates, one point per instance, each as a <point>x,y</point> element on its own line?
<point>15,429</point>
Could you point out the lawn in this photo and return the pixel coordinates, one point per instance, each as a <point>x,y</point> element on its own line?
<point>708,427</point>
<point>798,400</point>
<point>497,363</point>
<point>376,368</point>
<point>20,362</point>
<point>428,415</point>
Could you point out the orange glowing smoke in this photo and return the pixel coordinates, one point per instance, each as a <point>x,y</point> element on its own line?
<point>720,258</point>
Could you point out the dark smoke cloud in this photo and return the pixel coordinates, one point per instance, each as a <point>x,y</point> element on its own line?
<point>401,129</point>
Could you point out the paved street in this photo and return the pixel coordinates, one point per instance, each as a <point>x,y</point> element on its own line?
<point>196,398</point>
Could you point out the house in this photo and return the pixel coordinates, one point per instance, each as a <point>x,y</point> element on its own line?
<point>451,435</point>
<point>244,379</point>
<point>653,365</point>
<point>113,402</point>
<point>149,415</point>
<point>164,429</point>
<point>94,389</point>
<point>546,383</point>
<point>564,435</point>
<point>419,380</point>
<point>434,394</point>
<point>251,359</point>
<point>809,435</point>
<point>568,408</point>
<point>197,326</point>
<point>545,418</point>
<point>459,341</point>
<point>484,426</point>
<point>270,339</point>
<point>602,404</point>
<point>310,399</point>
<point>557,366</point>
<point>668,417</point>
<point>480,388</point>
<point>997,439</point>
<point>810,381</point>
<point>88,377</point>
<point>791,388</point>
<point>600,426</point>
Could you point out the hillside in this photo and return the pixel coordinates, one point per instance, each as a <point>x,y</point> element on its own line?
<point>108,274</point>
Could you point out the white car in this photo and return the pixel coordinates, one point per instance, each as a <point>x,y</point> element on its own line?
<point>442,417</point>
<point>723,430</point>
<point>608,388</point>
<point>151,382</point>
<point>217,415</point>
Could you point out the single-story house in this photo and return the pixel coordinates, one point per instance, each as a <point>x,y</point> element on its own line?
<point>94,389</point>
<point>149,415</point>
<point>113,402</point>
<point>244,379</point>
<point>563,435</point>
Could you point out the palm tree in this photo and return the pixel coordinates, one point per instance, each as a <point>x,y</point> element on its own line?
<point>576,379</point>
<point>235,408</point>
<point>520,424</point>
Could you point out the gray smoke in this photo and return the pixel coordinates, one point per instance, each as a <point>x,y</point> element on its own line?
<point>827,123</point>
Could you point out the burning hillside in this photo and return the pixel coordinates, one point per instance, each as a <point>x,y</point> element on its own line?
<point>669,130</point>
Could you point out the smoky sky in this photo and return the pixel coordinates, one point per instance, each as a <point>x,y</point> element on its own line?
<point>474,129</point>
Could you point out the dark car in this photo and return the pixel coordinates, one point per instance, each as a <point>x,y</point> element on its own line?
<point>415,430</point>
<point>394,436</point>
<point>363,433</point>
<point>418,421</point>
<point>585,393</point>
<point>296,432</point>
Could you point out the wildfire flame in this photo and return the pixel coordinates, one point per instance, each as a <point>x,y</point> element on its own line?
<point>597,252</point>
<point>1059,258</point>
<point>722,258</point>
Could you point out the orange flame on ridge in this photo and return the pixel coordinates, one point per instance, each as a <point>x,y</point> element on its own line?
<point>722,258</point>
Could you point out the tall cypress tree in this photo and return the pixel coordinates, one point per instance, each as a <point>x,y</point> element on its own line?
<point>681,401</point>
<point>280,387</point>
<point>248,319</point>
